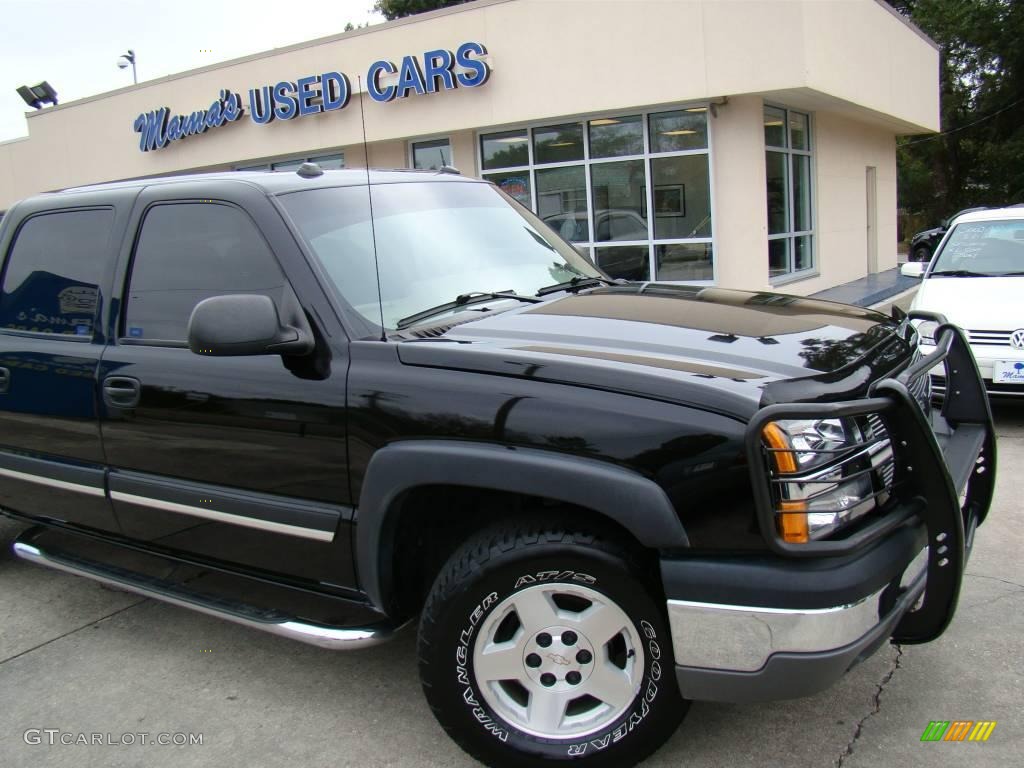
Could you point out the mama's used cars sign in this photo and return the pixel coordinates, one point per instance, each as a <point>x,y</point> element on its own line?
<point>434,71</point>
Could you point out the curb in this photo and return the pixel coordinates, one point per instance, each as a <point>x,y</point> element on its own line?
<point>894,298</point>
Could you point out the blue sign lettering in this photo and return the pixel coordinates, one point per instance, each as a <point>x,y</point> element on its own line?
<point>432,72</point>
<point>157,129</point>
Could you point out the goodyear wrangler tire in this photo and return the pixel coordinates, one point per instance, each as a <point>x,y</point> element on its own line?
<point>540,644</point>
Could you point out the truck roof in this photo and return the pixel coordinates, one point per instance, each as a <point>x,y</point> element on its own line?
<point>279,182</point>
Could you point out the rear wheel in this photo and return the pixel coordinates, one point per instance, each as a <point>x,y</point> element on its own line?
<point>545,643</point>
<point>921,253</point>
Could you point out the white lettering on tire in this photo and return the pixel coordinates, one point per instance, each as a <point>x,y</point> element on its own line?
<point>462,674</point>
<point>636,716</point>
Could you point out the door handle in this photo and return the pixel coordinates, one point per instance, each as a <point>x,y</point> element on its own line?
<point>5,380</point>
<point>121,391</point>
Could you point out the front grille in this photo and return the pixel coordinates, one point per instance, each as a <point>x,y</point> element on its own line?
<point>883,462</point>
<point>989,338</point>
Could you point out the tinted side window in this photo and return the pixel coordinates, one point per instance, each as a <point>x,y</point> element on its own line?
<point>51,283</point>
<point>188,252</point>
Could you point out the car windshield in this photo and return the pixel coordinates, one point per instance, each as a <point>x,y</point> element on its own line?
<point>986,248</point>
<point>434,241</point>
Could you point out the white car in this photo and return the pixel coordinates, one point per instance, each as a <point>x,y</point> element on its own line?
<point>976,279</point>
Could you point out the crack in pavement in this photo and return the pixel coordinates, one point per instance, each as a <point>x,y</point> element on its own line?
<point>994,578</point>
<point>72,631</point>
<point>876,706</point>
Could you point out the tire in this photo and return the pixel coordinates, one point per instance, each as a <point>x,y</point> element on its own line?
<point>922,253</point>
<point>513,657</point>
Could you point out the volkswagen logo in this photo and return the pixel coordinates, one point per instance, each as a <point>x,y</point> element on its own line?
<point>1017,339</point>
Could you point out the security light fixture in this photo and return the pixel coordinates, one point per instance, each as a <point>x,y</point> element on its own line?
<point>126,60</point>
<point>39,95</point>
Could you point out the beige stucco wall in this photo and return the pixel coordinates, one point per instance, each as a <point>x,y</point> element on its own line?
<point>587,56</point>
<point>740,211</point>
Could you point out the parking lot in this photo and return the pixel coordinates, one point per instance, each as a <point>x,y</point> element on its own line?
<point>80,658</point>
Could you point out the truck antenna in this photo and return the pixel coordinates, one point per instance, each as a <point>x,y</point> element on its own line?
<point>369,195</point>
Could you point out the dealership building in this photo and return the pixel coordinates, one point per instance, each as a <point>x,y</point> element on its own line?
<point>746,144</point>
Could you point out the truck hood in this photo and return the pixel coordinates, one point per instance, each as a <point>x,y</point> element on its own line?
<point>987,303</point>
<point>682,343</point>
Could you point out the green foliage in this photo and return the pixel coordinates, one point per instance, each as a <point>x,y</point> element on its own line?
<point>396,9</point>
<point>978,159</point>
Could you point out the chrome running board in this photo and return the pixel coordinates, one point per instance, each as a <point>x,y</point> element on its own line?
<point>331,638</point>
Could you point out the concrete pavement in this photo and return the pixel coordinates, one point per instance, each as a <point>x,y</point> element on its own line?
<point>78,657</point>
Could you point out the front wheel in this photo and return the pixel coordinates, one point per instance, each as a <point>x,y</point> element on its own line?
<point>544,643</point>
<point>922,253</point>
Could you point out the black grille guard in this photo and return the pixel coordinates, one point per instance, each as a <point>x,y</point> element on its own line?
<point>944,472</point>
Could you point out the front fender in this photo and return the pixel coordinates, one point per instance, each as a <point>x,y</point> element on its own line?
<point>636,503</point>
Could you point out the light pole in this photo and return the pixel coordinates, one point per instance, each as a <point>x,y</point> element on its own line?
<point>125,60</point>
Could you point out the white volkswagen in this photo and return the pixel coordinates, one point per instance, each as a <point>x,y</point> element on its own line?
<point>976,279</point>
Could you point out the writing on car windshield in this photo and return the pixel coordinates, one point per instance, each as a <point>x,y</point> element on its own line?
<point>431,241</point>
<point>983,249</point>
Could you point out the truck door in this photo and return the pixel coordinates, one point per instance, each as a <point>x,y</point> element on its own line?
<point>51,460</point>
<point>239,459</point>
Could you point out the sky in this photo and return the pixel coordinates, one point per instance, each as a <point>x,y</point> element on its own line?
<point>75,44</point>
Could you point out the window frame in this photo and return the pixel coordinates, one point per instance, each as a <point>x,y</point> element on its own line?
<point>792,275</point>
<point>590,245</point>
<point>120,321</point>
<point>97,316</point>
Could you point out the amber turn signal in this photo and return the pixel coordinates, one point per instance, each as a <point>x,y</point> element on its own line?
<point>782,456</point>
<point>792,519</point>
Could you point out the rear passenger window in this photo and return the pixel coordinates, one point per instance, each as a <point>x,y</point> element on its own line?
<point>51,281</point>
<point>188,252</point>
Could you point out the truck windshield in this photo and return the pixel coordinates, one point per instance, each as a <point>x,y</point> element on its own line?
<point>435,241</point>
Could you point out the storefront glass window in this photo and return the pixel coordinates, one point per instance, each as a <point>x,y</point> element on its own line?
<point>630,262</point>
<point>431,155</point>
<point>562,201</point>
<point>558,143</point>
<point>501,150</point>
<point>680,130</point>
<point>685,262</point>
<point>616,136</point>
<point>620,200</point>
<point>515,184</point>
<point>633,192</point>
<point>331,162</point>
<point>682,199</point>
<point>788,175</point>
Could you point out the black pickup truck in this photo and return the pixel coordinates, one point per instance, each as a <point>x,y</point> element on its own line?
<point>329,404</point>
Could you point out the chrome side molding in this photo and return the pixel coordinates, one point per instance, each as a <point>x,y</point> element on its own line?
<point>331,638</point>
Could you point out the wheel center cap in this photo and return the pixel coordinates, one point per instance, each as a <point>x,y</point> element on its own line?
<point>558,658</point>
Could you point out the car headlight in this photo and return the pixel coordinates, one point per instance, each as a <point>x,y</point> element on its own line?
<point>926,331</point>
<point>826,473</point>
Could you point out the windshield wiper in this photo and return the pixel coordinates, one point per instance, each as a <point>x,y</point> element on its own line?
<point>576,284</point>
<point>959,273</point>
<point>462,300</point>
<point>1008,274</point>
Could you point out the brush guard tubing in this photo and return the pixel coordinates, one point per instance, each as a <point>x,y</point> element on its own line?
<point>949,486</point>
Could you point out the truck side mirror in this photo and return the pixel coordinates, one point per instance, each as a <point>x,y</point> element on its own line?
<point>245,324</point>
<point>913,269</point>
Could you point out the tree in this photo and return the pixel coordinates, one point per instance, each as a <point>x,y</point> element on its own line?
<point>396,9</point>
<point>978,158</point>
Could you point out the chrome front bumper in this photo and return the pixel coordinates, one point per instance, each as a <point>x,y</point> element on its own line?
<point>714,640</point>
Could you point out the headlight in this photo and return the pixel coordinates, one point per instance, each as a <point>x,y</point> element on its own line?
<point>926,331</point>
<point>826,473</point>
